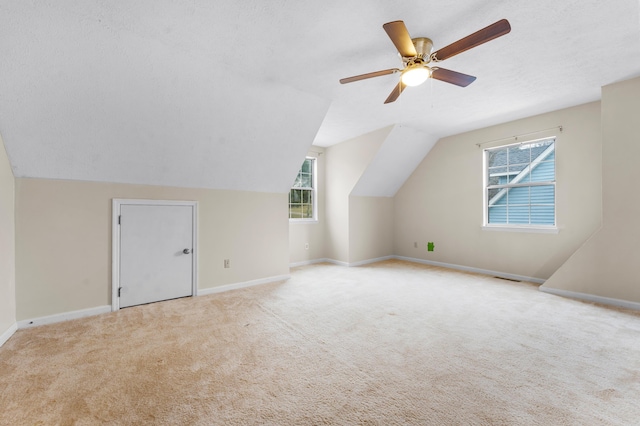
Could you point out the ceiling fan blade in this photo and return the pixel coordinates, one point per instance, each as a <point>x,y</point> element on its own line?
<point>453,77</point>
<point>400,37</point>
<point>368,75</point>
<point>396,92</point>
<point>486,34</point>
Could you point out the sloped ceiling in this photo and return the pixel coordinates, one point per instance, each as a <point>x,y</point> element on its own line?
<point>391,166</point>
<point>230,95</point>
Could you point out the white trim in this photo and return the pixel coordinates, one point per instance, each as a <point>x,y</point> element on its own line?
<point>299,220</point>
<point>526,228</point>
<point>309,262</point>
<point>115,254</point>
<point>474,270</point>
<point>245,284</point>
<point>339,262</point>
<point>424,262</point>
<point>64,316</point>
<point>368,261</point>
<point>618,303</point>
<point>115,242</point>
<point>8,333</point>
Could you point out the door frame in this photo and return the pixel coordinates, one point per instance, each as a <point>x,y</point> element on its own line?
<point>115,242</point>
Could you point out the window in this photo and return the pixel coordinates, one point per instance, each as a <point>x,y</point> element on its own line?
<point>302,197</point>
<point>520,184</point>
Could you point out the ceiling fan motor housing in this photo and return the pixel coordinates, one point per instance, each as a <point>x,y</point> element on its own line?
<point>423,46</point>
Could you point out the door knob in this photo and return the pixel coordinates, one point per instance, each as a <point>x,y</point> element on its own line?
<point>186,251</point>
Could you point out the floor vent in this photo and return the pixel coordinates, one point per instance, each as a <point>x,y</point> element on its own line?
<point>508,279</point>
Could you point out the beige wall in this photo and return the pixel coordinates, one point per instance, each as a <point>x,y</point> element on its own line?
<point>370,228</point>
<point>63,240</point>
<point>442,200</point>
<point>7,244</point>
<point>345,165</point>
<point>311,233</point>
<point>606,265</point>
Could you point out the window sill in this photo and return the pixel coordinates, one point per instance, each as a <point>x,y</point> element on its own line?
<point>303,221</point>
<point>530,229</point>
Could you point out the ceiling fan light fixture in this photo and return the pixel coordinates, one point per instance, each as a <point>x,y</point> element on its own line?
<point>415,75</point>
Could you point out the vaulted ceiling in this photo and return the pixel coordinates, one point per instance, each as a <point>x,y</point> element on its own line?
<point>231,94</point>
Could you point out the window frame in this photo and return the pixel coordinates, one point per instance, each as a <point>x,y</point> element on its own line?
<point>314,193</point>
<point>539,228</point>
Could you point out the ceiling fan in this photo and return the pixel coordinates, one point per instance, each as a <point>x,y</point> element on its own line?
<point>416,56</point>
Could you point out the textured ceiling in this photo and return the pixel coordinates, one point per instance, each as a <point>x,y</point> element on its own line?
<point>229,94</point>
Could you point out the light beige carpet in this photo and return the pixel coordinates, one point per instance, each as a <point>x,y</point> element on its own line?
<point>392,343</point>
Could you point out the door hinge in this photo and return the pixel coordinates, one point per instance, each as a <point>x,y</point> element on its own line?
<point>119,290</point>
<point>119,219</point>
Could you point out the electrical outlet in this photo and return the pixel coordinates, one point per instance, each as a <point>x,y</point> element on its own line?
<point>415,244</point>
<point>227,264</point>
<point>306,246</point>
<point>430,246</point>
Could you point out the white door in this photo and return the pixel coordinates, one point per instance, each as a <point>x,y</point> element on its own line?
<point>156,250</point>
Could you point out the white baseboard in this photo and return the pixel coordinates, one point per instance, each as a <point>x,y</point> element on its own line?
<point>339,262</point>
<point>424,262</point>
<point>618,303</point>
<point>474,270</point>
<point>7,334</point>
<point>309,262</point>
<point>336,262</point>
<point>65,316</point>
<point>235,286</point>
<point>368,261</point>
